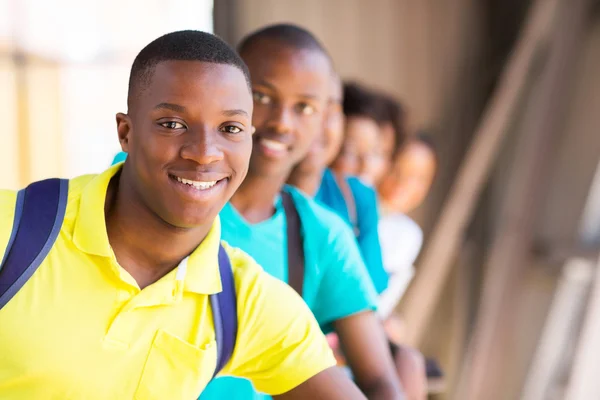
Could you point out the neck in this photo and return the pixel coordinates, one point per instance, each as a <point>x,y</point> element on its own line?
<point>337,174</point>
<point>308,182</point>
<point>145,246</point>
<point>255,197</point>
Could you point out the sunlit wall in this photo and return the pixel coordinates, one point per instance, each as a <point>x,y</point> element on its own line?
<point>64,66</point>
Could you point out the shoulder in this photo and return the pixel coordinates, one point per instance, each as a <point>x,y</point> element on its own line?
<point>359,187</point>
<point>400,224</point>
<point>243,266</point>
<point>76,188</point>
<point>8,199</point>
<point>317,218</point>
<point>257,289</point>
<point>250,278</point>
<point>367,205</point>
<point>364,195</point>
<point>399,228</point>
<point>279,344</point>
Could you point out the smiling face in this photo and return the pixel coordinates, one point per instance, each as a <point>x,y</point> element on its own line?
<point>410,178</point>
<point>290,90</point>
<point>327,144</point>
<point>189,138</point>
<point>359,153</point>
<point>334,120</point>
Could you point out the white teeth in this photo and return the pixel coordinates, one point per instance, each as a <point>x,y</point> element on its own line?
<point>198,185</point>
<point>273,145</point>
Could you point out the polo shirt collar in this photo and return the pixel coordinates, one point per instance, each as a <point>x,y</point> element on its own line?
<point>202,274</point>
<point>89,232</point>
<point>90,236</point>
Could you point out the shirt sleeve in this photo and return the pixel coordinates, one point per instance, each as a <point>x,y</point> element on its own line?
<point>368,238</point>
<point>346,288</point>
<point>279,343</point>
<point>401,241</point>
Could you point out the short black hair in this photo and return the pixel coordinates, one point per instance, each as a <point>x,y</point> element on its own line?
<point>360,101</point>
<point>188,45</point>
<point>427,140</point>
<point>395,114</point>
<point>287,34</point>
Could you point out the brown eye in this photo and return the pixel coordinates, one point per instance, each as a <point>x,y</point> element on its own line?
<point>231,129</point>
<point>305,109</point>
<point>261,98</point>
<point>172,125</point>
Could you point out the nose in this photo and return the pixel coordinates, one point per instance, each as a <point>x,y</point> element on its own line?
<point>363,165</point>
<point>202,146</point>
<point>281,119</point>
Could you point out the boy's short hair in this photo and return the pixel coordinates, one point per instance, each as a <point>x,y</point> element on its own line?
<point>188,45</point>
<point>362,102</point>
<point>396,116</point>
<point>287,34</point>
<point>427,140</point>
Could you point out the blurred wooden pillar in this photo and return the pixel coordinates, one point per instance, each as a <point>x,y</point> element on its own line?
<point>509,254</point>
<point>225,19</point>
<point>560,330</point>
<point>9,137</point>
<point>584,383</point>
<point>447,236</point>
<point>22,115</point>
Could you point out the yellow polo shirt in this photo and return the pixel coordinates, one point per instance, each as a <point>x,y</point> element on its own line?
<point>81,328</point>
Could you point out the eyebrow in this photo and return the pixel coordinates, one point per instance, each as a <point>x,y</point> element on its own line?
<point>303,95</point>
<point>171,106</point>
<point>235,113</point>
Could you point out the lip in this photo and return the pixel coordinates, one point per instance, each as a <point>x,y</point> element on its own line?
<point>195,194</point>
<point>198,175</point>
<point>271,146</point>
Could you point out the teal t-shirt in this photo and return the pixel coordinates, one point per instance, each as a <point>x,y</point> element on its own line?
<point>121,156</point>
<point>336,281</point>
<point>365,199</point>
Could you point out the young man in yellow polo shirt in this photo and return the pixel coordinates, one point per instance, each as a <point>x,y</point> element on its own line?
<point>119,308</point>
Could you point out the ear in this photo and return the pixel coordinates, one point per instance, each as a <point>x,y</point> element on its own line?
<point>253,130</point>
<point>123,130</point>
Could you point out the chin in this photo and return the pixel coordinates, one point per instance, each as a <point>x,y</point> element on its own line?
<point>190,220</point>
<point>268,167</point>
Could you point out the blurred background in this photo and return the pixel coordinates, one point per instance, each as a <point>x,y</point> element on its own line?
<point>506,295</point>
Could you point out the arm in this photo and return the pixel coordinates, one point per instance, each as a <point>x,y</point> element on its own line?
<point>368,238</point>
<point>346,301</point>
<point>331,384</point>
<point>401,240</point>
<point>368,354</point>
<point>389,299</point>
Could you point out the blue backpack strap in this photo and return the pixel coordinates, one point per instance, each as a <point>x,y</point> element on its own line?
<point>39,214</point>
<point>224,310</point>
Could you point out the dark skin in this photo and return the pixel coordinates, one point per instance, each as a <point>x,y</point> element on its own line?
<point>289,111</point>
<point>291,92</point>
<point>331,384</point>
<point>173,130</point>
<point>307,174</point>
<point>192,121</point>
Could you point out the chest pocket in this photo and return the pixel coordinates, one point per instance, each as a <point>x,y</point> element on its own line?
<point>176,369</point>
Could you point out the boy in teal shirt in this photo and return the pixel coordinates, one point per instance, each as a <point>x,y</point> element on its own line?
<point>290,73</point>
<point>353,201</point>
